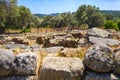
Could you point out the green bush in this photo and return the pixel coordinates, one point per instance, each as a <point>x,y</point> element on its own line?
<point>26,31</point>
<point>118,24</point>
<point>111,25</point>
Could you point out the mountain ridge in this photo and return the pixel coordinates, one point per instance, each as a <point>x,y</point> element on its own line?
<point>115,13</point>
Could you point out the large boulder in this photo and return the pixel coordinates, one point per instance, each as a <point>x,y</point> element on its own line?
<point>25,64</point>
<point>101,76</point>
<point>14,46</point>
<point>61,41</point>
<point>98,33</point>
<point>6,62</point>
<point>98,76</point>
<point>59,68</point>
<point>99,59</point>
<point>19,78</point>
<point>104,41</point>
<point>117,61</point>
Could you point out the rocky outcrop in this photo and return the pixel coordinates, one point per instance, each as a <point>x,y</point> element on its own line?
<point>104,41</point>
<point>25,64</point>
<point>61,41</point>
<point>58,68</point>
<point>14,46</point>
<point>117,61</point>
<point>98,76</point>
<point>6,62</point>
<point>98,33</point>
<point>101,76</point>
<point>19,78</point>
<point>99,59</point>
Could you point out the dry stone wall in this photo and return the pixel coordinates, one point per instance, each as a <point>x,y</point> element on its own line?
<point>101,60</point>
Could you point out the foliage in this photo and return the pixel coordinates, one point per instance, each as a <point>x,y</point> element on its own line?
<point>111,13</point>
<point>13,16</point>
<point>111,25</point>
<point>26,31</point>
<point>118,24</point>
<point>87,14</point>
<point>16,17</point>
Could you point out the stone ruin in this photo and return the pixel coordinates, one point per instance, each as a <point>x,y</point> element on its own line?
<point>79,55</point>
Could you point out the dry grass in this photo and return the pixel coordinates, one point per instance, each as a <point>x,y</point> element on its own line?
<point>79,53</point>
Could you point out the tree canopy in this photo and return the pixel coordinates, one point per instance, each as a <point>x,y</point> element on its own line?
<point>90,15</point>
<point>13,16</point>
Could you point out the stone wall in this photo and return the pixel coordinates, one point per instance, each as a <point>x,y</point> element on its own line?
<point>94,55</point>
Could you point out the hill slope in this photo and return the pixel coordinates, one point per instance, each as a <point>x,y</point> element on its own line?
<point>110,12</point>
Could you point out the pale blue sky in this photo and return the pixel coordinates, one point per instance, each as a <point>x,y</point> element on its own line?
<point>59,6</point>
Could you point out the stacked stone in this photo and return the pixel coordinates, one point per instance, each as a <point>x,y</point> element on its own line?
<point>103,62</point>
<point>23,66</point>
<point>60,68</point>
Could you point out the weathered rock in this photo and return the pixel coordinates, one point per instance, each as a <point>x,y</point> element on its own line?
<point>2,42</point>
<point>59,68</point>
<point>31,37</point>
<point>35,48</point>
<point>19,78</point>
<point>61,41</point>
<point>98,33</point>
<point>77,34</point>
<point>6,62</point>
<point>99,58</point>
<point>98,76</point>
<point>1,37</point>
<point>55,49</point>
<point>70,52</point>
<point>25,64</point>
<point>82,42</point>
<point>39,40</point>
<point>14,46</point>
<point>101,76</point>
<point>117,61</point>
<point>59,34</point>
<point>115,77</point>
<point>18,40</point>
<point>104,41</point>
<point>26,42</point>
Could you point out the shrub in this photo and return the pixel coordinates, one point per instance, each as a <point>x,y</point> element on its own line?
<point>118,24</point>
<point>111,25</point>
<point>26,31</point>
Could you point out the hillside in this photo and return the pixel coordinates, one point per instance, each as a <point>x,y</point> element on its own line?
<point>110,12</point>
<point>42,15</point>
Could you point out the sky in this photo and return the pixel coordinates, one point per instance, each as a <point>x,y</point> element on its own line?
<point>59,6</point>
